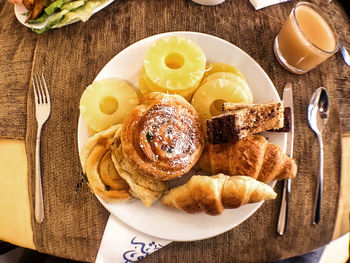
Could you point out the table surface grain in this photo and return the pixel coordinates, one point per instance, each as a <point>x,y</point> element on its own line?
<point>72,56</point>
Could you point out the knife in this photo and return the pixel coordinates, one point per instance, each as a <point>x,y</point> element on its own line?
<point>287,103</point>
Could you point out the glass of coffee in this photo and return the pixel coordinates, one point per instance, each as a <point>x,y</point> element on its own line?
<point>306,39</point>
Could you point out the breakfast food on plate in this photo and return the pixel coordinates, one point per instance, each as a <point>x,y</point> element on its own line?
<point>174,65</point>
<point>252,156</point>
<point>107,102</point>
<point>221,83</point>
<point>137,148</point>
<point>103,178</point>
<point>233,77</point>
<point>162,137</point>
<point>261,107</point>
<point>208,98</point>
<point>287,114</point>
<point>240,120</point>
<point>143,87</point>
<point>213,194</point>
<point>222,67</point>
<point>146,86</point>
<point>102,163</point>
<point>144,188</point>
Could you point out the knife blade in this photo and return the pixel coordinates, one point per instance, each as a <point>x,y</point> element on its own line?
<point>288,103</point>
<point>283,215</point>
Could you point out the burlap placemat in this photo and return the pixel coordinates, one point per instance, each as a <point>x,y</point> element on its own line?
<point>72,56</point>
<point>17,47</point>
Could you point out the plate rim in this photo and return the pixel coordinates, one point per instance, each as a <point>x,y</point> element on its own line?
<point>156,36</point>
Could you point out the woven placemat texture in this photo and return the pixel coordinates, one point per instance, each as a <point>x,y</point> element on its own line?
<point>17,47</point>
<point>71,57</point>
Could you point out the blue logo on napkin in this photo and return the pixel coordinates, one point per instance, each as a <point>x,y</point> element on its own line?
<point>140,250</point>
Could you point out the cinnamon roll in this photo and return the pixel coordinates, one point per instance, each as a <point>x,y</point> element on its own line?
<point>162,137</point>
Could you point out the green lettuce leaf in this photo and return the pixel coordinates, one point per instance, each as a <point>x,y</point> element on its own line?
<point>40,19</point>
<point>53,7</point>
<point>82,13</point>
<point>64,12</point>
<point>72,5</point>
<point>51,21</point>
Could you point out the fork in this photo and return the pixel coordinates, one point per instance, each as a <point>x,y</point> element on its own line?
<point>42,113</point>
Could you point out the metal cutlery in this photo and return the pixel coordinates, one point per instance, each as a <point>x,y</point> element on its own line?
<point>345,54</point>
<point>318,112</point>
<point>283,215</point>
<point>42,113</point>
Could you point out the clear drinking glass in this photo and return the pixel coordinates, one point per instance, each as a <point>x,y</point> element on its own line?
<point>306,39</point>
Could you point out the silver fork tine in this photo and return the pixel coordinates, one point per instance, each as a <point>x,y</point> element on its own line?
<point>46,91</point>
<point>35,90</point>
<point>40,88</point>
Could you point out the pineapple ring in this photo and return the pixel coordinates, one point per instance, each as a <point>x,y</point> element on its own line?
<point>233,77</point>
<point>107,102</point>
<point>209,96</point>
<point>143,87</point>
<point>222,67</point>
<point>175,63</point>
<point>146,86</point>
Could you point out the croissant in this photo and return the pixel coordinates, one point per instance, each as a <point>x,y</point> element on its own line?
<point>212,194</point>
<point>252,156</point>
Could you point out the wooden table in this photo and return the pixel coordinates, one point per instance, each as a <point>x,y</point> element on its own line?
<point>125,22</point>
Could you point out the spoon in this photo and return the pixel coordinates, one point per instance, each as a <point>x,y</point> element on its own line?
<point>345,54</point>
<point>318,111</point>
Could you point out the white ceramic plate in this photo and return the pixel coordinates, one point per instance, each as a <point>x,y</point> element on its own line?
<point>20,12</point>
<point>160,221</point>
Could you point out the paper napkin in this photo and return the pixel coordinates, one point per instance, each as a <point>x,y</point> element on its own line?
<point>258,4</point>
<point>121,243</point>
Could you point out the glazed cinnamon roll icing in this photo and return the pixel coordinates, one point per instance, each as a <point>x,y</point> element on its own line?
<point>162,138</point>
